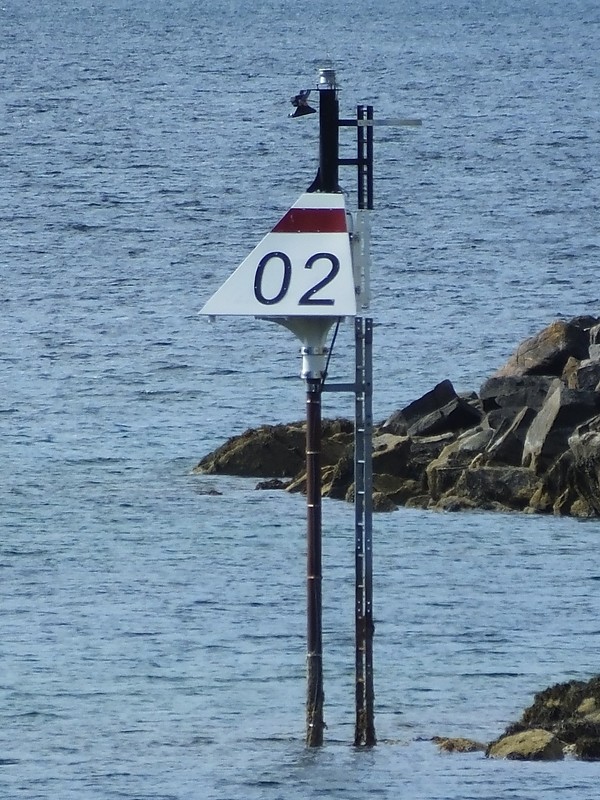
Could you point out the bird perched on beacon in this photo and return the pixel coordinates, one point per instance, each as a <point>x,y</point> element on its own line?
<point>300,103</point>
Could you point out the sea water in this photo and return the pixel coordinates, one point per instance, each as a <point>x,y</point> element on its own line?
<point>152,628</point>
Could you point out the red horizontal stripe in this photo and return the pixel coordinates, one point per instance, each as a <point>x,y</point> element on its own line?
<point>312,220</point>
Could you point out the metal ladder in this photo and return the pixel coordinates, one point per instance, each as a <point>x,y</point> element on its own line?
<point>363,515</point>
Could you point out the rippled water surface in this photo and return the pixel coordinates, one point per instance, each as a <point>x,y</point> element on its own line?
<point>152,635</point>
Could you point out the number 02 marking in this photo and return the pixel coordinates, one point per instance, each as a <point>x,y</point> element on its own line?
<point>308,298</point>
<point>285,279</point>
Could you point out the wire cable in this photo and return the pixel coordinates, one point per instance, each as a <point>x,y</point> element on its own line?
<point>335,333</point>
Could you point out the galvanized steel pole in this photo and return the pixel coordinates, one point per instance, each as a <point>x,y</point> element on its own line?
<point>364,732</point>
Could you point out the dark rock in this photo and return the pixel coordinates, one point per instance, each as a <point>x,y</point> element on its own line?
<point>563,719</point>
<point>584,446</point>
<point>547,352</point>
<point>529,745</point>
<point>419,501</point>
<point>569,711</point>
<point>580,727</point>
<point>298,484</point>
<point>507,441</point>
<point>407,457</point>
<point>515,391</point>
<point>398,490</point>
<point>506,486</point>
<point>382,502</point>
<point>265,452</point>
<point>273,483</point>
<point>399,465</point>
<point>423,450</point>
<point>210,491</point>
<point>391,454</point>
<point>408,492</point>
<point>548,434</point>
<point>587,376</point>
<point>595,342</point>
<point>456,415</point>
<point>530,441</point>
<point>275,450</point>
<point>552,706</point>
<point>336,484</point>
<point>458,744</point>
<point>569,373</point>
<point>569,488</point>
<point>445,471</point>
<point>500,418</point>
<point>587,749</point>
<point>452,503</point>
<point>400,421</point>
<point>555,493</point>
<point>586,322</point>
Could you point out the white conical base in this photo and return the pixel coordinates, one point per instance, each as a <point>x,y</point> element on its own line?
<point>312,332</point>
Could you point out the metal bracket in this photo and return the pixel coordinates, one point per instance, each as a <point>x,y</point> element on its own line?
<point>341,387</point>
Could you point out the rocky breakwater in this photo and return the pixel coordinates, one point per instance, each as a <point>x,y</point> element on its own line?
<point>528,440</point>
<point>563,720</point>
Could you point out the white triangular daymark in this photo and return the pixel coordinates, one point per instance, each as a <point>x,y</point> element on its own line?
<point>302,268</point>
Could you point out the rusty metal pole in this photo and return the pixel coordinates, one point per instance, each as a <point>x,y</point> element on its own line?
<point>314,659</point>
